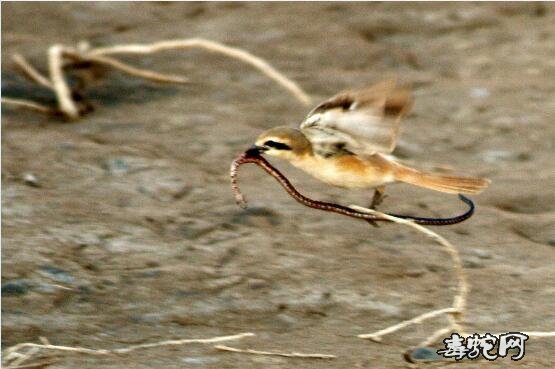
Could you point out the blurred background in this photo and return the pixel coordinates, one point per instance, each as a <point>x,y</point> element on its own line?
<point>120,228</point>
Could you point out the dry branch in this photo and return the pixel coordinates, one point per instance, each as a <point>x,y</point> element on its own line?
<point>65,96</point>
<point>377,336</point>
<point>456,311</point>
<point>274,353</point>
<point>30,72</point>
<point>36,364</point>
<point>232,52</point>
<point>129,69</point>
<point>13,355</point>
<point>27,104</point>
<point>62,90</point>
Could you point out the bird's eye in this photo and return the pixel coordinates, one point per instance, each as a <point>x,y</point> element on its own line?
<point>277,145</point>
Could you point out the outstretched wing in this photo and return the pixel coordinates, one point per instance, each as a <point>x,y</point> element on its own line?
<point>363,122</point>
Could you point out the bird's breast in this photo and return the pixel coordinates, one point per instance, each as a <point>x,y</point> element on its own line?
<point>348,171</point>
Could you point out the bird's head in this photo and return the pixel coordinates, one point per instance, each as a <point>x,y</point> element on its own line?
<point>283,142</point>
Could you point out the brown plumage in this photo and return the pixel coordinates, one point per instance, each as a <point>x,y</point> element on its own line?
<point>347,141</point>
<point>442,183</point>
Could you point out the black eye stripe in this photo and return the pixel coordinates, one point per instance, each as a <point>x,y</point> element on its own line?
<point>277,145</point>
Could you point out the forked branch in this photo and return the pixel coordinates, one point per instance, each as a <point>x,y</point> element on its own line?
<point>62,59</point>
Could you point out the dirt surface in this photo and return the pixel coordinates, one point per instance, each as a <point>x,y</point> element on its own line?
<point>131,234</point>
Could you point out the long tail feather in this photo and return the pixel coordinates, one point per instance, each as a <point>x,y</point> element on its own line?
<point>448,184</point>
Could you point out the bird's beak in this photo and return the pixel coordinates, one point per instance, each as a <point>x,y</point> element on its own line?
<point>256,150</point>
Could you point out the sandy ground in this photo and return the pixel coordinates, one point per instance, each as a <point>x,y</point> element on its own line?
<point>133,236</point>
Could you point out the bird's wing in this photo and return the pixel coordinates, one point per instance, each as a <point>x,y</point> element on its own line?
<point>363,122</point>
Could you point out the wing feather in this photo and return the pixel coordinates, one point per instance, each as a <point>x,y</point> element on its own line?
<point>363,122</point>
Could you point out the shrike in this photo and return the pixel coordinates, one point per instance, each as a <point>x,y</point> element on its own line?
<point>347,141</point>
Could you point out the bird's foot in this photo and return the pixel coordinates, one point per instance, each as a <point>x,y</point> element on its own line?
<point>378,198</point>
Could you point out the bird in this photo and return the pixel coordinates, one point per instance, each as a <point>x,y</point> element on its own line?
<point>347,141</point>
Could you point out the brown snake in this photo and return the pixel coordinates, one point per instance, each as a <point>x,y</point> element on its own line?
<point>252,157</point>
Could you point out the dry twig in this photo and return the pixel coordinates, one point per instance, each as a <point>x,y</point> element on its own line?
<point>67,106</point>
<point>27,104</point>
<point>61,88</point>
<point>273,353</point>
<point>29,71</point>
<point>13,356</point>
<point>454,313</point>
<point>129,69</point>
<point>232,52</point>
<point>36,364</point>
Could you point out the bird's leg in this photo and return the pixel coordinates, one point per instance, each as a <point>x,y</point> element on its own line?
<point>379,196</point>
<point>377,200</point>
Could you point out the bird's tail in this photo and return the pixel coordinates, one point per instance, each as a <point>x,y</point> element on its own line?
<point>448,184</point>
